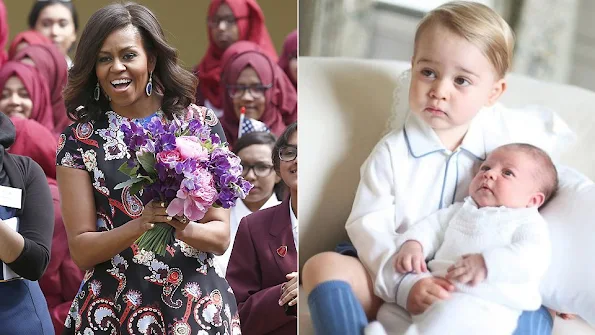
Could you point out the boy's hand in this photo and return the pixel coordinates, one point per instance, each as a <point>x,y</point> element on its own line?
<point>427,291</point>
<point>470,269</point>
<point>410,258</point>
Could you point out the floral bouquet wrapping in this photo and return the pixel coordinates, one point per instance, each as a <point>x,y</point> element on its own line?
<point>180,163</point>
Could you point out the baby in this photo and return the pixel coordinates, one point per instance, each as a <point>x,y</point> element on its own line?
<point>494,247</point>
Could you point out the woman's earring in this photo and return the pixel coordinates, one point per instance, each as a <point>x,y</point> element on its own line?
<point>149,87</point>
<point>97,92</point>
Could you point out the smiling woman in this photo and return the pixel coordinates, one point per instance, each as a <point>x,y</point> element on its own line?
<point>121,69</point>
<point>125,72</point>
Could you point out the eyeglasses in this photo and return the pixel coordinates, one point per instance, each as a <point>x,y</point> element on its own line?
<point>256,91</point>
<point>260,169</point>
<point>288,153</point>
<point>214,22</point>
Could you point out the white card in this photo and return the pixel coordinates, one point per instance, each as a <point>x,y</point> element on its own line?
<point>10,197</point>
<point>7,272</point>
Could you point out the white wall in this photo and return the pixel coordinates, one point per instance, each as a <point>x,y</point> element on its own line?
<point>583,70</point>
<point>393,32</point>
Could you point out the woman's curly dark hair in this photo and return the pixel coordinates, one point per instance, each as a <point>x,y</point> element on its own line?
<point>177,85</point>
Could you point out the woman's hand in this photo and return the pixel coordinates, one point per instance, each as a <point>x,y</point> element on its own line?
<point>427,291</point>
<point>289,290</point>
<point>154,212</point>
<point>179,223</point>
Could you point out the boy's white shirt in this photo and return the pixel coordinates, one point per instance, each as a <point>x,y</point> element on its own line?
<point>514,243</point>
<point>409,175</point>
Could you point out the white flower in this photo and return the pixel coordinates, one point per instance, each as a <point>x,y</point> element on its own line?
<point>90,160</point>
<point>144,257</point>
<point>101,313</point>
<point>210,312</point>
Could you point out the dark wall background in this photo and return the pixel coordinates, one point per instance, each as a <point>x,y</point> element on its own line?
<point>184,21</point>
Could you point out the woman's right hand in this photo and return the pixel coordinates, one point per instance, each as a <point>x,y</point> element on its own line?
<point>427,291</point>
<point>153,212</point>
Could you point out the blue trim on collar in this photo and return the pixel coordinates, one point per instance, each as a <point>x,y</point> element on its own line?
<point>410,149</point>
<point>425,142</point>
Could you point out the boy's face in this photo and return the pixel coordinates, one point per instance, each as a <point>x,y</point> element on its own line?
<point>451,80</point>
<point>507,178</point>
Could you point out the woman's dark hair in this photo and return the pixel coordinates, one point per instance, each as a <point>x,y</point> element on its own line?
<point>169,79</point>
<point>38,6</point>
<point>256,138</point>
<point>282,142</point>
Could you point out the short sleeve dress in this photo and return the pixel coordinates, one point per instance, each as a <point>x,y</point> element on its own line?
<point>138,292</point>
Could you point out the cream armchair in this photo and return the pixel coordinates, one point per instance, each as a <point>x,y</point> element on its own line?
<point>344,107</point>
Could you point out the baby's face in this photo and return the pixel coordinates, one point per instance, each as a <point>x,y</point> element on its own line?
<point>507,178</point>
<point>451,80</point>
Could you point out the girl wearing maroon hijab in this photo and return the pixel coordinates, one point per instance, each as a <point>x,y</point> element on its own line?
<point>288,60</point>
<point>62,278</point>
<point>252,80</point>
<point>229,21</point>
<point>25,93</point>
<point>3,33</point>
<point>51,63</point>
<point>25,38</point>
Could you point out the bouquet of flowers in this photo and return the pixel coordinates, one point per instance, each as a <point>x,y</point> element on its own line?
<point>180,163</point>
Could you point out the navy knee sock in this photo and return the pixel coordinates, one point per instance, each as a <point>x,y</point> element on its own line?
<point>334,309</point>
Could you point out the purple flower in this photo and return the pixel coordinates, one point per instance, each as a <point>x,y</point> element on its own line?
<point>166,142</point>
<point>155,126</point>
<point>191,184</point>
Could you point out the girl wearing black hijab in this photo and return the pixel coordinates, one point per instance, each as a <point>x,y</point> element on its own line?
<point>26,227</point>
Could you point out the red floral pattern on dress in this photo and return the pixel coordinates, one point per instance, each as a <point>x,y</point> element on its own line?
<point>138,292</point>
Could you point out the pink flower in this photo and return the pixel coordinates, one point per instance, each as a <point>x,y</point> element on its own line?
<point>191,147</point>
<point>169,158</point>
<point>194,202</point>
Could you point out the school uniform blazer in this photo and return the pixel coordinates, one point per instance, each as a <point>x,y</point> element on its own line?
<point>263,253</point>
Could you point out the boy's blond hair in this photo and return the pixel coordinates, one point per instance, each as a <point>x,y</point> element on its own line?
<point>478,24</point>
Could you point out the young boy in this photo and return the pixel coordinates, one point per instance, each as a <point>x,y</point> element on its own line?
<point>494,246</point>
<point>462,53</point>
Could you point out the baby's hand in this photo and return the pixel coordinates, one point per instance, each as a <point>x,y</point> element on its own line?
<point>410,258</point>
<point>567,316</point>
<point>470,269</point>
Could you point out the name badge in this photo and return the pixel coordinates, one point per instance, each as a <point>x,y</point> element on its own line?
<point>10,197</point>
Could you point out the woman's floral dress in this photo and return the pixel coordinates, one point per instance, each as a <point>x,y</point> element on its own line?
<point>138,292</point>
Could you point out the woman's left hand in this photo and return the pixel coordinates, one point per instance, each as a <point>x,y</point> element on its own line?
<point>289,291</point>
<point>178,222</point>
